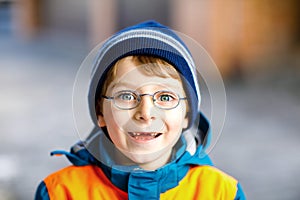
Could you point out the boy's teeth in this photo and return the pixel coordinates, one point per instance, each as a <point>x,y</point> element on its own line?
<point>143,136</point>
<point>138,134</point>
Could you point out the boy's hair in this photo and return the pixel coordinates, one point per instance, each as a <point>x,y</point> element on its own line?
<point>150,65</point>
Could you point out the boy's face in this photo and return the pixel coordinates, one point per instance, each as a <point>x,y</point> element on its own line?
<point>146,133</point>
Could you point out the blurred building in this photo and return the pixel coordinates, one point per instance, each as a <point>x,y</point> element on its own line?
<point>242,36</point>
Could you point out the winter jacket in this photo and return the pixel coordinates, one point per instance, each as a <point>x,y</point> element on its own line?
<point>187,176</point>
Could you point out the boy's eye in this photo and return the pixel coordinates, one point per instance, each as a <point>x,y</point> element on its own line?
<point>126,96</point>
<point>166,97</point>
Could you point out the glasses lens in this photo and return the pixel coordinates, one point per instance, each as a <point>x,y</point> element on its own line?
<point>126,99</point>
<point>166,99</point>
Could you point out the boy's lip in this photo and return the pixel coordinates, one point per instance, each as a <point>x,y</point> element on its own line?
<point>144,136</point>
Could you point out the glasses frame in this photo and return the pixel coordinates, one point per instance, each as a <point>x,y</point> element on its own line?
<point>139,99</point>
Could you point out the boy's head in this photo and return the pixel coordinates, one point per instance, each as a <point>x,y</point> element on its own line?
<point>144,83</point>
<point>143,109</point>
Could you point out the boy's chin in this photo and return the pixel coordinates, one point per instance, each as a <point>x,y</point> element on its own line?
<point>149,161</point>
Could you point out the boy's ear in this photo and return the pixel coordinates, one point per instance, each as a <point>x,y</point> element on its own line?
<point>101,121</point>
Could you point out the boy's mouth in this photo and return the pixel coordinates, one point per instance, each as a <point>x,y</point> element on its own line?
<point>144,135</point>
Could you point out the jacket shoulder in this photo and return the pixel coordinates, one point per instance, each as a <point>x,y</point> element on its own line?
<point>211,172</point>
<point>81,182</point>
<point>217,182</point>
<point>206,182</point>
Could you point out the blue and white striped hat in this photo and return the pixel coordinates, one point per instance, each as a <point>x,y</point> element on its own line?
<point>153,39</point>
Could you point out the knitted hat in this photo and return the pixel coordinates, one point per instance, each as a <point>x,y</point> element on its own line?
<point>153,39</point>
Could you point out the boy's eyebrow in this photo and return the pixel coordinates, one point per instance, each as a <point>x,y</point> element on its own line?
<point>126,84</point>
<point>133,86</point>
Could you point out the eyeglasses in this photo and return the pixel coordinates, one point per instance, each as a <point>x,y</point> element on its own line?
<point>127,99</point>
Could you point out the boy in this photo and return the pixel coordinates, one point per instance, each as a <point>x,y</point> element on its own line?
<point>144,100</point>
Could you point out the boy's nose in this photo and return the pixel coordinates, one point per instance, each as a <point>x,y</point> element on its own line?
<point>145,110</point>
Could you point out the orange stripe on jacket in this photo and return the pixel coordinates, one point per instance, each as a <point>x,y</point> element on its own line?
<point>82,182</point>
<point>204,182</point>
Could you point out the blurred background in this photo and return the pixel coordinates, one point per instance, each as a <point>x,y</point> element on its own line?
<point>255,44</point>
